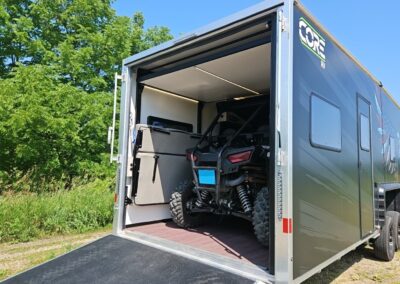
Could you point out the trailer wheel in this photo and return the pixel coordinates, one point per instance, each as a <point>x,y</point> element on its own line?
<point>261,216</point>
<point>384,246</point>
<point>178,206</point>
<point>396,227</point>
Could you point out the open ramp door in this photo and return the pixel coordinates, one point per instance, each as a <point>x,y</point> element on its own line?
<point>116,260</point>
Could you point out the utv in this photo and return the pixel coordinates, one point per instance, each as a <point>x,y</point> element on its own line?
<point>229,165</point>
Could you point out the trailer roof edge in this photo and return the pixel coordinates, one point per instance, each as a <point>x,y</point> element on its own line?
<point>345,50</point>
<point>212,27</point>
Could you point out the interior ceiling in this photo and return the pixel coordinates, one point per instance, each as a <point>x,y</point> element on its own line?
<point>246,73</point>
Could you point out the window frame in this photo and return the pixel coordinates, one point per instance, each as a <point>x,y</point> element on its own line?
<point>369,133</point>
<point>317,145</point>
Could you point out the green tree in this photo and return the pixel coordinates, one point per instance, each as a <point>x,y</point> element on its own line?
<point>85,39</point>
<point>49,131</point>
<point>57,62</point>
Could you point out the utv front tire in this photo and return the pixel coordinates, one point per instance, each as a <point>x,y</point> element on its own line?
<point>261,216</point>
<point>178,206</point>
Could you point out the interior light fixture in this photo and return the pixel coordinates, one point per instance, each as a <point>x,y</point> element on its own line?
<point>227,81</point>
<point>170,94</point>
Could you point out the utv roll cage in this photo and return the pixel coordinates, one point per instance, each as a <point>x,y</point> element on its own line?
<point>228,106</point>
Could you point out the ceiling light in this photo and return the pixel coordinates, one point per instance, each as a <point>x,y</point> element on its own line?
<point>170,94</point>
<point>227,81</point>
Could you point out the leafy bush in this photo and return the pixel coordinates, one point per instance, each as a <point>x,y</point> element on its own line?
<point>27,216</point>
<point>50,132</point>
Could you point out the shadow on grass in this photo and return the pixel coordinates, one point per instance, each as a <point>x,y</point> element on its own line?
<point>337,268</point>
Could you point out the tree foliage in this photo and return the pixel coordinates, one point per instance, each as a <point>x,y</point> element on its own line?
<point>83,38</point>
<point>57,62</point>
<point>50,131</point>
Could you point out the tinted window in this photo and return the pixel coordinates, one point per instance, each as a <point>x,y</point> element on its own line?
<point>392,143</point>
<point>326,130</point>
<point>364,133</point>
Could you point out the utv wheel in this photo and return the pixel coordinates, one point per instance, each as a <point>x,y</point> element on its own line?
<point>178,206</point>
<point>396,228</point>
<point>384,246</point>
<point>261,216</point>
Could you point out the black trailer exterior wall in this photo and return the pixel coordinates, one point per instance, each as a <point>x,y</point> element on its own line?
<point>335,134</point>
<point>334,184</point>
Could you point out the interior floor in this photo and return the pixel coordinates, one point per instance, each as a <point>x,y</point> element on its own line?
<point>230,237</point>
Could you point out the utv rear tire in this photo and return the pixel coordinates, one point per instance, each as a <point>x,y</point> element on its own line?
<point>177,205</point>
<point>396,228</point>
<point>384,246</point>
<point>261,216</point>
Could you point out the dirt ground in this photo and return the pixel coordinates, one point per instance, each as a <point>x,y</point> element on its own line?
<point>359,266</point>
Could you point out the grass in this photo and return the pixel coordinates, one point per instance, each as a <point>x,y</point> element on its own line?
<point>360,266</point>
<point>24,217</point>
<point>15,258</point>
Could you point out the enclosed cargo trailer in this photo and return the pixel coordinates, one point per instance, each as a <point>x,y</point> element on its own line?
<point>333,140</point>
<point>331,162</point>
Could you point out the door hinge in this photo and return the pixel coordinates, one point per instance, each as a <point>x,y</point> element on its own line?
<point>128,201</point>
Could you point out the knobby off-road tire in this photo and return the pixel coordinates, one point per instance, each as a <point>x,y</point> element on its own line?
<point>177,206</point>
<point>384,246</point>
<point>261,216</point>
<point>396,227</point>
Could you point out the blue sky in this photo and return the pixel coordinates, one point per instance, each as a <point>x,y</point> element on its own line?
<point>370,31</point>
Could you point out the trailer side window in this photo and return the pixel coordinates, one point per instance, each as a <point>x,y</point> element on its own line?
<point>364,133</point>
<point>392,143</point>
<point>326,126</point>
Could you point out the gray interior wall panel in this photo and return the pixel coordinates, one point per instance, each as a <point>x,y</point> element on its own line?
<point>165,106</point>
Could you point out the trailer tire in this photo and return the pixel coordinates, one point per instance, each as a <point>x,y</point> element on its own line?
<point>396,227</point>
<point>178,209</point>
<point>384,246</point>
<point>261,216</point>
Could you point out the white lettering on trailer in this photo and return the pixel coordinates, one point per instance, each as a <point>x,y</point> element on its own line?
<point>311,39</point>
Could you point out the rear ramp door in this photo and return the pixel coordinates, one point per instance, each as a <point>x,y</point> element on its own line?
<point>116,260</point>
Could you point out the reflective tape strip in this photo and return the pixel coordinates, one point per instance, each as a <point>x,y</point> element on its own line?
<point>287,226</point>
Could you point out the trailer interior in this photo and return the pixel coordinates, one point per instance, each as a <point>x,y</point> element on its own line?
<point>174,104</point>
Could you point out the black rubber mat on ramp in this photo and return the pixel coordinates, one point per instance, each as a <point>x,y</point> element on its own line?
<point>117,260</point>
